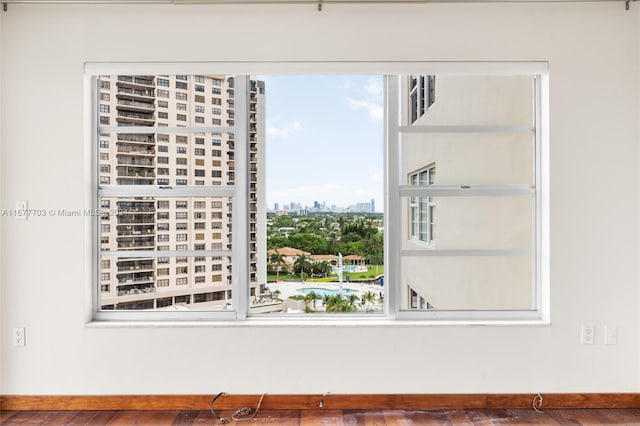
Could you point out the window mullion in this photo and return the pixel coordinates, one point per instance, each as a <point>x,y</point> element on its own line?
<point>241,202</point>
<point>393,213</point>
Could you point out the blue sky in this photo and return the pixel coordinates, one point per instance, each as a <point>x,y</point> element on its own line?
<point>324,139</point>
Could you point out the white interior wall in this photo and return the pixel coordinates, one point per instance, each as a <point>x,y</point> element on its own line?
<point>593,51</point>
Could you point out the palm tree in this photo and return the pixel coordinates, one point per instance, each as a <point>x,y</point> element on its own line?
<point>369,296</point>
<point>352,299</point>
<point>324,268</point>
<point>325,299</point>
<point>277,259</point>
<point>301,264</point>
<point>337,304</point>
<point>311,297</point>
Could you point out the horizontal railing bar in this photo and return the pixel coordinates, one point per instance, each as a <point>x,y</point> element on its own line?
<point>166,191</point>
<point>466,129</point>
<point>466,252</point>
<point>466,190</point>
<point>166,253</point>
<point>161,130</point>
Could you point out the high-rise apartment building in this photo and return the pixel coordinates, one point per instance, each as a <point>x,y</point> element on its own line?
<point>169,160</point>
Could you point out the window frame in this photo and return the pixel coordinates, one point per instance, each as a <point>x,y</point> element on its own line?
<point>394,189</point>
<point>416,205</point>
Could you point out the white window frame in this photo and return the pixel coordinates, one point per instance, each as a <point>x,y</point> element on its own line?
<point>394,189</point>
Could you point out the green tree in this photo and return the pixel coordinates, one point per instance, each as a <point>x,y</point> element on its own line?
<point>352,299</point>
<point>311,297</point>
<point>369,297</point>
<point>301,265</point>
<point>336,303</point>
<point>277,259</point>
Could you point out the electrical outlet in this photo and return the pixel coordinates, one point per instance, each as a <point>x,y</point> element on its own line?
<point>588,334</point>
<point>18,336</point>
<point>610,335</point>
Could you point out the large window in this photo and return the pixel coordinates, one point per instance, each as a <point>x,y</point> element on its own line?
<point>466,243</point>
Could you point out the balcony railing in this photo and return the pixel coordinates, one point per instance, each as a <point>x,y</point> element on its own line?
<point>135,115</point>
<point>128,161</point>
<point>136,219</point>
<point>135,289</point>
<point>137,92</point>
<point>133,244</point>
<point>137,104</point>
<point>129,137</point>
<point>135,267</point>
<point>125,171</point>
<point>135,278</point>
<point>136,150</point>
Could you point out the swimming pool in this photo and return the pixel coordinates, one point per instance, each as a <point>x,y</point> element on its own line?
<point>351,268</point>
<point>325,291</point>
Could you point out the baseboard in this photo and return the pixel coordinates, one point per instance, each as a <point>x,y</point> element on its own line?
<point>312,402</point>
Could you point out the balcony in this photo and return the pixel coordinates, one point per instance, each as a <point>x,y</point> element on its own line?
<point>131,93</point>
<point>136,242</point>
<point>134,181</point>
<point>127,118</point>
<point>133,150</point>
<point>136,231</point>
<point>135,172</point>
<point>137,206</point>
<point>130,289</point>
<point>126,104</point>
<point>135,278</point>
<point>135,138</point>
<point>140,219</point>
<point>129,161</point>
<point>135,266</point>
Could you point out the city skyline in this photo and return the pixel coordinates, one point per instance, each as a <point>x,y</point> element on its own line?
<point>324,139</point>
<point>323,206</point>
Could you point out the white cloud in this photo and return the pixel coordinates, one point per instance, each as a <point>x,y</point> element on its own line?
<point>375,110</point>
<point>285,131</point>
<point>374,87</point>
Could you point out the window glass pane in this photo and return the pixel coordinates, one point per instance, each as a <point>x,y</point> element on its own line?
<point>470,158</point>
<point>470,223</point>
<point>476,100</point>
<point>324,192</point>
<point>165,224</point>
<point>468,282</point>
<point>166,283</point>
<point>156,102</point>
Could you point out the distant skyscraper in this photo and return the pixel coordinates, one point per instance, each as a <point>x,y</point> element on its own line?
<point>276,206</point>
<point>373,205</point>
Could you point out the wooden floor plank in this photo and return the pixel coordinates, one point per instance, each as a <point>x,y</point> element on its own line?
<point>321,418</point>
<point>60,418</point>
<point>5,415</point>
<point>128,418</point>
<point>29,418</point>
<point>454,417</point>
<point>630,417</point>
<point>81,418</point>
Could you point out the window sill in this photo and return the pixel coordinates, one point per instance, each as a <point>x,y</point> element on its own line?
<point>315,323</point>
